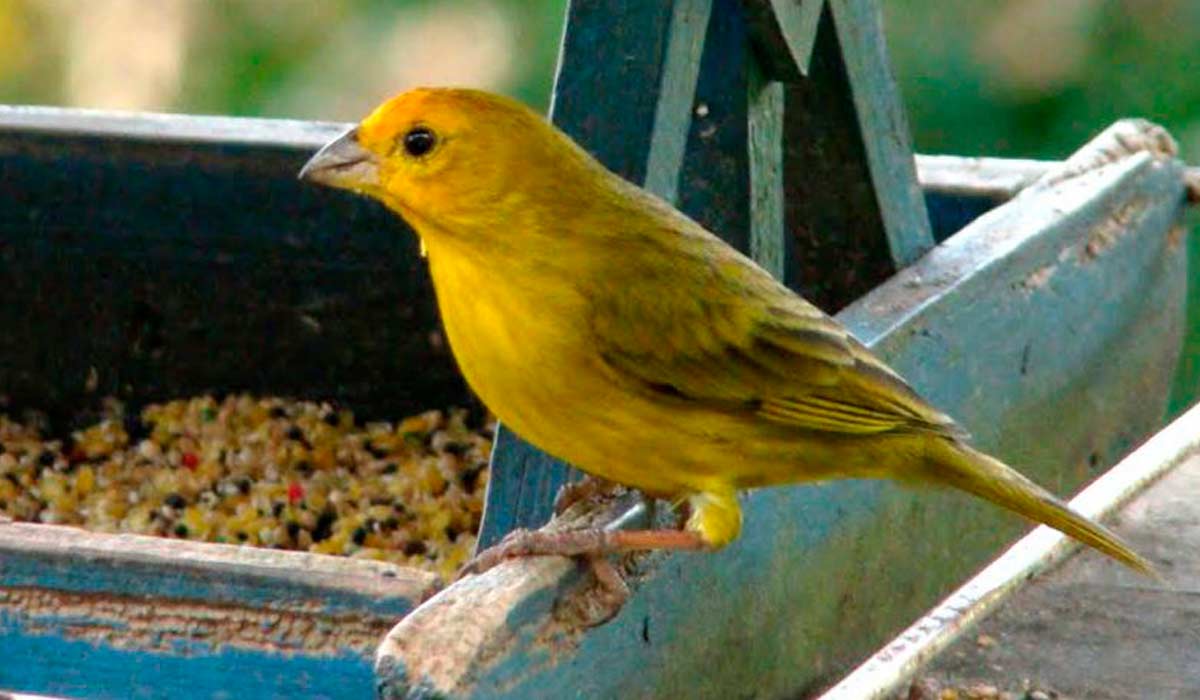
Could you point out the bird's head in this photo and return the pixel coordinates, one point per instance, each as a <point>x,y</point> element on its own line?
<point>449,159</point>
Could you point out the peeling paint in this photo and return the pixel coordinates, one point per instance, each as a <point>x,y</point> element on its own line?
<point>1038,278</point>
<point>1111,229</point>
<point>1175,236</point>
<point>171,626</point>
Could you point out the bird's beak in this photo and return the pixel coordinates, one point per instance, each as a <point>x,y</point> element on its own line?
<point>343,163</point>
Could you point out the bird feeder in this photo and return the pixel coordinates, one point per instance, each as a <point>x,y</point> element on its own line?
<point>151,257</point>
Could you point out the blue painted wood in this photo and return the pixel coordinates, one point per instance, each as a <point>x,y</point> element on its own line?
<point>999,326</point>
<point>785,32</point>
<point>852,205</point>
<point>90,615</point>
<point>715,181</point>
<point>522,483</point>
<point>883,127</point>
<point>35,661</point>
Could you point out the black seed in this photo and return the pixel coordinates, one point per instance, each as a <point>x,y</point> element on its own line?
<point>477,416</point>
<point>241,536</point>
<point>390,524</point>
<point>470,478</point>
<point>376,452</point>
<point>414,548</point>
<point>295,433</point>
<point>451,533</point>
<point>331,419</point>
<point>135,428</point>
<point>324,527</point>
<point>458,449</point>
<point>181,530</point>
<point>277,509</point>
<point>390,468</point>
<point>244,485</point>
<point>278,412</point>
<point>359,536</point>
<point>46,458</point>
<point>293,529</point>
<point>175,500</point>
<point>304,467</point>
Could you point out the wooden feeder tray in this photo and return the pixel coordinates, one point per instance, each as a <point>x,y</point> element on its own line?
<point>151,257</point>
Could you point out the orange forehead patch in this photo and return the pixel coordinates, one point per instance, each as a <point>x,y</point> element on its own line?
<point>447,110</point>
<point>391,117</point>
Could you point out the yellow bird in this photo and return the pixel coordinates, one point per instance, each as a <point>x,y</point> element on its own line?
<point>615,333</point>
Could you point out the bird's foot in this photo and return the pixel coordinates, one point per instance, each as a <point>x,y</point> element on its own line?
<point>590,542</point>
<point>586,488</point>
<point>600,602</point>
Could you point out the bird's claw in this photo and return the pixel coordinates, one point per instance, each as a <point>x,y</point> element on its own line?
<point>511,546</point>
<point>573,492</point>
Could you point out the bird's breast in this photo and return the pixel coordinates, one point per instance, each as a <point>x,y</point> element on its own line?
<point>518,346</point>
<point>530,355</point>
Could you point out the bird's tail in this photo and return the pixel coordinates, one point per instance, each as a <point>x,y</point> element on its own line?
<point>955,464</point>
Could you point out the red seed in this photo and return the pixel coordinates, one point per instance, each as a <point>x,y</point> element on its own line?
<point>295,493</point>
<point>190,460</point>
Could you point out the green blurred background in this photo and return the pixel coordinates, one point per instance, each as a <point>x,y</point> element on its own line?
<point>1027,78</point>
<point>1001,77</point>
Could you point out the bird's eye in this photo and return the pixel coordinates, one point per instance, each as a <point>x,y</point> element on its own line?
<point>419,141</point>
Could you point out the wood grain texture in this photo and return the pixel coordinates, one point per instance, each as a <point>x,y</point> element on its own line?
<point>1090,630</point>
<point>118,616</point>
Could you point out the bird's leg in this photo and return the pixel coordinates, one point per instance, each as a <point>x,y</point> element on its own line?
<point>590,542</point>
<point>574,492</point>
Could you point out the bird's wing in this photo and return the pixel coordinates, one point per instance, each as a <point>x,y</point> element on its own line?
<point>738,341</point>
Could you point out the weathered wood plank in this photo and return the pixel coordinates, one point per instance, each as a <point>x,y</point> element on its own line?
<point>998,326</point>
<point>1112,636</point>
<point>784,32</point>
<point>853,205</point>
<point>883,127</point>
<point>770,246</point>
<point>86,614</point>
<point>1172,456</point>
